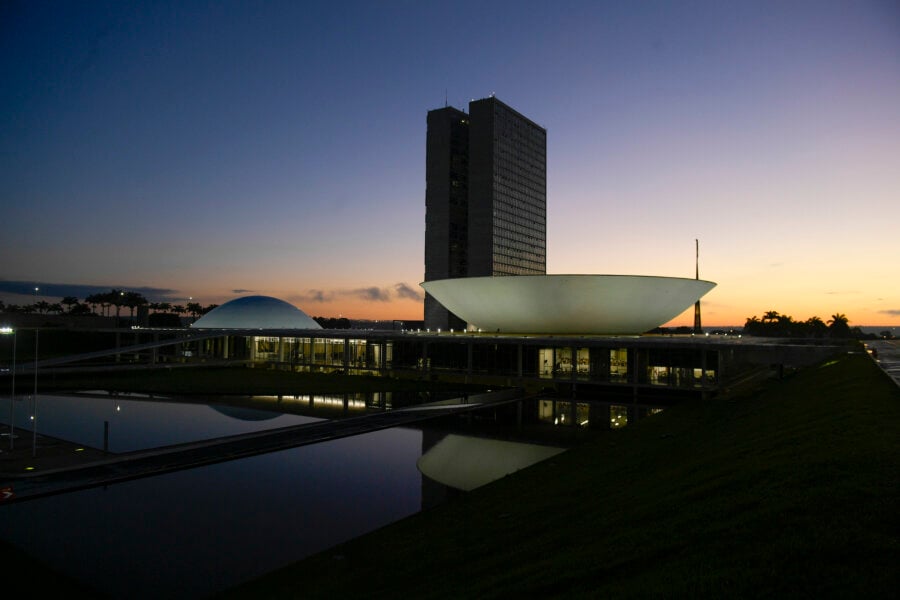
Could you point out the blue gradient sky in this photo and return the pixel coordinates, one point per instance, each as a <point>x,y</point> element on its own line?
<point>203,150</point>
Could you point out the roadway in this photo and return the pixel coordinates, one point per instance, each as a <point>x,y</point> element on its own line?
<point>886,354</point>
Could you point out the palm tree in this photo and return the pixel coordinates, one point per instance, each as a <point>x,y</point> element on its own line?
<point>133,300</point>
<point>816,327</point>
<point>784,323</point>
<point>770,316</point>
<point>81,309</point>
<point>195,309</point>
<point>69,302</point>
<point>839,325</point>
<point>117,298</point>
<point>93,300</point>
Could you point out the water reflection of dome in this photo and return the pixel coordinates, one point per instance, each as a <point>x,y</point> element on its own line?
<point>244,414</point>
<point>256,312</point>
<point>465,462</point>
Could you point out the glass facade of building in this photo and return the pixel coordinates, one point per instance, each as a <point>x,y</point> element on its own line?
<point>629,366</point>
<point>507,192</point>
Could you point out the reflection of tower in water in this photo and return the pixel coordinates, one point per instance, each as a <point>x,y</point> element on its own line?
<point>434,493</point>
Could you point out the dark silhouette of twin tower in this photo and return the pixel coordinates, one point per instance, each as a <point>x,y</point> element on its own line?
<point>485,198</point>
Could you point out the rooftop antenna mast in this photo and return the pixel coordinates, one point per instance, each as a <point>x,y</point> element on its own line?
<point>697,327</point>
<point>445,97</point>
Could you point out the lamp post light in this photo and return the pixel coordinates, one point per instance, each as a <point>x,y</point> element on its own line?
<point>34,399</point>
<point>12,395</point>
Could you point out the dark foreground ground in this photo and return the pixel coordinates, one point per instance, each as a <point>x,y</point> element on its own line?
<point>792,491</point>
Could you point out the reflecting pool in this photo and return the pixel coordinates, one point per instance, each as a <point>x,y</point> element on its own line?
<point>191,533</point>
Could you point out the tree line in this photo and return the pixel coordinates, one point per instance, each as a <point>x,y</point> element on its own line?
<point>774,324</point>
<point>104,302</point>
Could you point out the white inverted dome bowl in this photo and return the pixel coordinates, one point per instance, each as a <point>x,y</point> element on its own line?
<point>568,304</point>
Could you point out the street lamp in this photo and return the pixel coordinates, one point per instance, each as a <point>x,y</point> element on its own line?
<point>12,396</point>
<point>34,396</point>
<point>34,399</point>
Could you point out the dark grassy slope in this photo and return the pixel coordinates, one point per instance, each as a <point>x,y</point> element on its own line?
<point>790,491</point>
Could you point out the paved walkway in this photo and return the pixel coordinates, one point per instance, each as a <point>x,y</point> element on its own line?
<point>887,354</point>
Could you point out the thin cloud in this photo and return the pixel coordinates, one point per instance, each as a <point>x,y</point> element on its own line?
<point>894,312</point>
<point>404,291</point>
<point>371,294</point>
<point>315,296</point>
<point>241,291</point>
<point>80,290</point>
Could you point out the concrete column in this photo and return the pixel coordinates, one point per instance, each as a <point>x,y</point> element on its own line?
<point>573,376</point>
<point>346,358</point>
<point>703,367</point>
<point>519,371</point>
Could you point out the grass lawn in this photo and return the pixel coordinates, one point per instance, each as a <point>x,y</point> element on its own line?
<point>790,491</point>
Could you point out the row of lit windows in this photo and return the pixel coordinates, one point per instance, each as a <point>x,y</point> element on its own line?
<point>519,200</point>
<point>534,158</point>
<point>525,226</point>
<point>531,260</point>
<point>509,152</point>
<point>536,188</point>
<point>504,270</point>
<point>511,124</point>
<point>503,148</point>
<point>521,165</point>
<point>521,242</point>
<point>519,235</point>
<point>535,195</point>
<point>504,228</point>
<point>519,208</point>
<point>528,261</point>
<point>531,264</point>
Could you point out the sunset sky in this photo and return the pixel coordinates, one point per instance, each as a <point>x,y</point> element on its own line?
<point>215,149</point>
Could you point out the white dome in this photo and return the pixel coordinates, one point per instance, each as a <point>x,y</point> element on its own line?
<point>256,312</point>
<point>568,304</point>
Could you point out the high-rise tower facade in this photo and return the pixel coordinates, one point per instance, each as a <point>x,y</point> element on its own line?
<point>485,199</point>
